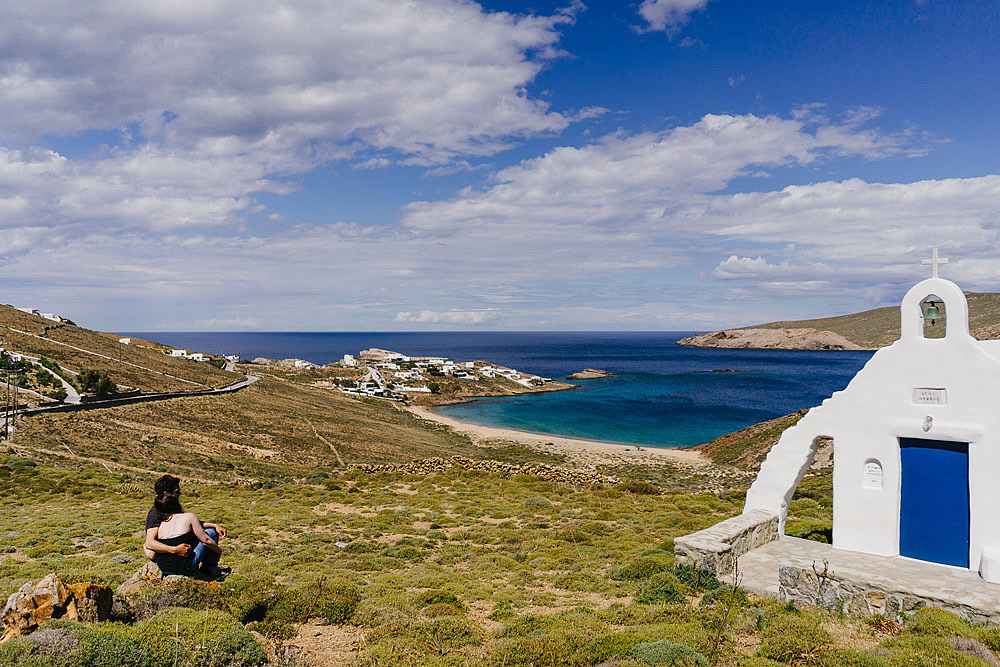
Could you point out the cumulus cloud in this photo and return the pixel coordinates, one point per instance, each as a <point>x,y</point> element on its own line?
<point>605,235</point>
<point>287,83</point>
<point>447,317</point>
<point>669,15</point>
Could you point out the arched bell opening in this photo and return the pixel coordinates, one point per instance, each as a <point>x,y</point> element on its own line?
<point>933,312</point>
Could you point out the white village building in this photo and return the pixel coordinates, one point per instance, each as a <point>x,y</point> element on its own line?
<point>916,451</point>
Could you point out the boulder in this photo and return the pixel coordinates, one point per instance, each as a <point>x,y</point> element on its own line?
<point>49,598</point>
<point>147,575</point>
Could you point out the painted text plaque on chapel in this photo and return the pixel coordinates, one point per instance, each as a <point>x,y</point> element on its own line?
<point>873,474</point>
<point>930,396</point>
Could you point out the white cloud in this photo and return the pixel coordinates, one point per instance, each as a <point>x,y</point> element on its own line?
<point>230,324</point>
<point>581,237</point>
<point>669,15</point>
<point>447,317</point>
<point>286,83</point>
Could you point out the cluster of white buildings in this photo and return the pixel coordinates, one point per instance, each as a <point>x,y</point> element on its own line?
<point>415,370</point>
<point>48,316</point>
<point>184,354</point>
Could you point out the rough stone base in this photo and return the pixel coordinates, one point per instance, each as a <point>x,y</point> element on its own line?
<point>864,594</point>
<point>864,584</point>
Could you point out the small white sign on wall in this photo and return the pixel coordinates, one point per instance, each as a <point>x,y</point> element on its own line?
<point>873,475</point>
<point>930,396</point>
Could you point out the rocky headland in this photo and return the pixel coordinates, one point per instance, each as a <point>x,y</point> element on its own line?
<point>589,374</point>
<point>772,339</point>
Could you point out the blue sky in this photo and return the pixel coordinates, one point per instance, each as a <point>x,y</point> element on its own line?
<point>659,164</point>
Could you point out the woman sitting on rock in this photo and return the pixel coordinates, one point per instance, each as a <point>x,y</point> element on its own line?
<point>179,527</point>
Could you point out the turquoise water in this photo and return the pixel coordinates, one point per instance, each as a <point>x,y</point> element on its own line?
<point>661,395</point>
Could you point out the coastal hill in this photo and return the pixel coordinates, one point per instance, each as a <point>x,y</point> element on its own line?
<point>140,364</point>
<point>867,330</point>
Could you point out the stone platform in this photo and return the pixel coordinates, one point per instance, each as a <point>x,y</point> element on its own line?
<point>790,568</point>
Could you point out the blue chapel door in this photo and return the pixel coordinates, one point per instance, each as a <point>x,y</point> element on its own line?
<point>934,501</point>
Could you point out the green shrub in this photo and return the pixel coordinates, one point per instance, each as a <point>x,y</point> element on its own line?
<point>435,535</point>
<point>429,598</point>
<point>852,658</point>
<point>640,568</point>
<point>442,609</point>
<point>334,602</point>
<point>536,504</point>
<point>640,487</point>
<point>666,652</point>
<point>450,632</point>
<point>792,638</point>
<point>725,595</point>
<point>209,636</point>
<point>691,633</point>
<point>106,646</point>
<point>16,651</point>
<point>696,579</point>
<point>662,587</point>
<point>939,623</point>
<point>757,661</point>
<point>611,645</point>
<point>925,651</point>
<point>990,636</point>
<point>235,647</point>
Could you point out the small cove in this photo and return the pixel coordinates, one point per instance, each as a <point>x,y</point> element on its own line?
<point>661,394</point>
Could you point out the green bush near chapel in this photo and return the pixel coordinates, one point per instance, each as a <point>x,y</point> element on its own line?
<point>662,587</point>
<point>641,568</point>
<point>667,652</point>
<point>794,638</point>
<point>939,623</point>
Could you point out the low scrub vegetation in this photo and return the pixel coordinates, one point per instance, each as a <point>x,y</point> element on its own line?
<point>456,568</point>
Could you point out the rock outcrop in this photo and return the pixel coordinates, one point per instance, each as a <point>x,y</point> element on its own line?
<point>771,339</point>
<point>147,575</point>
<point>588,374</point>
<point>50,598</point>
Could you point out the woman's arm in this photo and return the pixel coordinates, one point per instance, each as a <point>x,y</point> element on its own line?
<point>154,544</point>
<point>222,531</point>
<point>200,533</point>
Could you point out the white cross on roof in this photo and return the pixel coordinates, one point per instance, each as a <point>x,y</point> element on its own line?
<point>934,262</point>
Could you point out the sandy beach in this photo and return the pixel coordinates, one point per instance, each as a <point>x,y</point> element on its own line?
<point>587,453</point>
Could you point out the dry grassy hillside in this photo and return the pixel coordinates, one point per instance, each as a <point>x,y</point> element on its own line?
<point>265,430</point>
<point>880,327</point>
<point>141,365</point>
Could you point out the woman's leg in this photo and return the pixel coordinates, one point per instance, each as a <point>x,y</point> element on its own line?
<point>204,557</point>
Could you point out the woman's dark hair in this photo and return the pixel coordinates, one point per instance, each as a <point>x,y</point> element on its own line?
<point>168,504</point>
<point>166,483</point>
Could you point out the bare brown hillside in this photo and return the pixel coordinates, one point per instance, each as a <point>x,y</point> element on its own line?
<point>870,329</point>
<point>141,365</point>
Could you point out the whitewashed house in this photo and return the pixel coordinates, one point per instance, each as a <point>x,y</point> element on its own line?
<point>178,353</point>
<point>125,341</point>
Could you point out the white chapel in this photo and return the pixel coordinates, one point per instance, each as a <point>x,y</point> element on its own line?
<point>916,449</point>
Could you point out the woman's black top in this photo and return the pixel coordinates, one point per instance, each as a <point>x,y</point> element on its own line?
<point>172,563</point>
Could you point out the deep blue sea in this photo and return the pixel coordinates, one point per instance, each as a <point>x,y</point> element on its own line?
<point>661,394</point>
